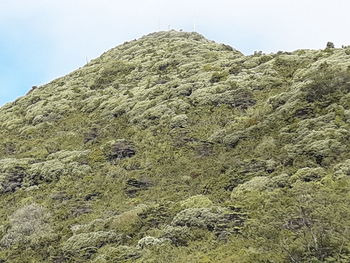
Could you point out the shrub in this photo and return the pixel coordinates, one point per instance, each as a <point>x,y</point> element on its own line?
<point>328,83</point>
<point>112,71</point>
<point>325,151</point>
<point>93,226</point>
<point>308,174</point>
<point>302,222</point>
<point>258,183</point>
<point>179,121</point>
<point>233,139</point>
<point>109,254</point>
<point>342,169</point>
<point>213,219</point>
<point>235,69</point>
<point>52,170</point>
<point>240,98</point>
<point>267,147</point>
<point>218,76</point>
<point>196,201</point>
<point>129,221</point>
<point>93,240</point>
<point>286,65</point>
<point>28,224</point>
<point>149,241</point>
<point>196,217</point>
<point>156,215</point>
<point>179,235</point>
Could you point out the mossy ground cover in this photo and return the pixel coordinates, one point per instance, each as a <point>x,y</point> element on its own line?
<point>173,148</point>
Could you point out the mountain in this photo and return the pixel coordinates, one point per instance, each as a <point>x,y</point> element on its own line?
<point>174,148</point>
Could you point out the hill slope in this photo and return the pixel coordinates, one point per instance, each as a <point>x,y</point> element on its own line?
<point>173,148</point>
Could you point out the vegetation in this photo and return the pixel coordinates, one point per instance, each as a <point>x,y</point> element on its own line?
<point>173,148</point>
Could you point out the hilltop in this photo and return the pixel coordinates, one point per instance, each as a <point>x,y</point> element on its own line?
<point>174,148</point>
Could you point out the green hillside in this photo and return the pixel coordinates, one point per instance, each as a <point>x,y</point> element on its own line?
<point>174,148</point>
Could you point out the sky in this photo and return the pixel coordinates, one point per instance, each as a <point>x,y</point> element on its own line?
<point>41,40</point>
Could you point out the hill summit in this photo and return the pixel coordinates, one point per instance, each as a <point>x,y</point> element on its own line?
<point>174,148</point>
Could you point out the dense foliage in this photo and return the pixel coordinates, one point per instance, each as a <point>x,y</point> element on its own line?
<point>173,148</point>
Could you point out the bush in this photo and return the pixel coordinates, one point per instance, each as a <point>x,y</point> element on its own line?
<point>93,226</point>
<point>342,169</point>
<point>215,219</point>
<point>258,183</point>
<point>26,172</point>
<point>308,174</point>
<point>196,217</point>
<point>109,254</point>
<point>235,69</point>
<point>149,241</point>
<point>28,224</point>
<point>156,215</point>
<point>94,240</point>
<point>218,76</point>
<point>233,139</point>
<point>302,222</point>
<point>179,121</point>
<point>241,99</point>
<point>112,71</point>
<point>197,201</point>
<point>178,235</point>
<point>287,65</point>
<point>328,83</point>
<point>129,221</point>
